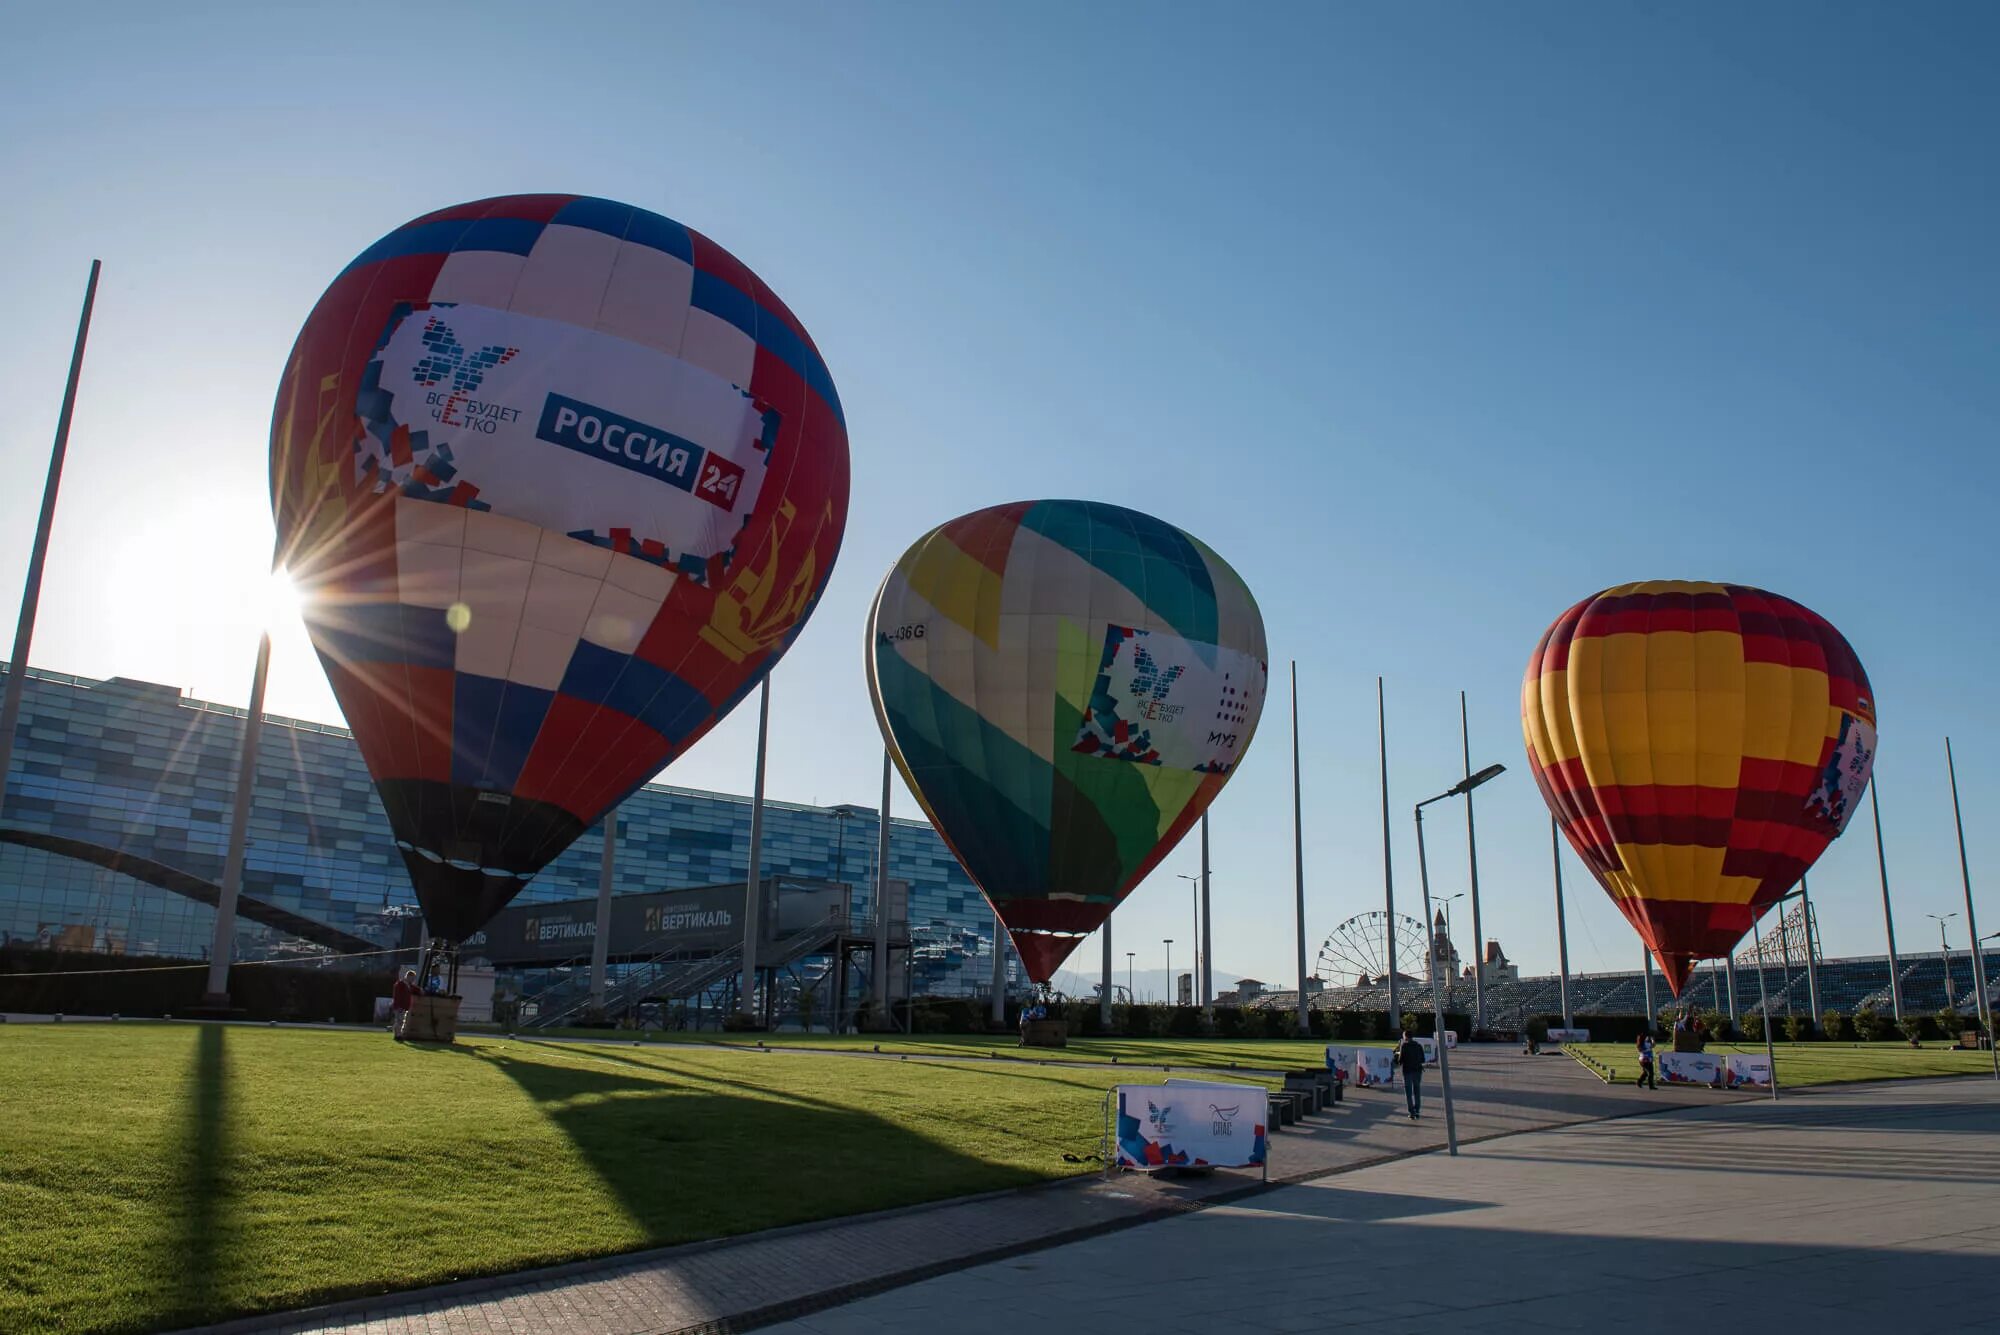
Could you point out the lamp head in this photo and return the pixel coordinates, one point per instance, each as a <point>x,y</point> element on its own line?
<point>1466,785</point>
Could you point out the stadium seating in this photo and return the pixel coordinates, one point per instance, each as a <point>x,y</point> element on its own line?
<point>1845,985</point>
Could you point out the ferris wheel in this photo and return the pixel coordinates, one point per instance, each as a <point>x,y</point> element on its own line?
<point>1356,953</point>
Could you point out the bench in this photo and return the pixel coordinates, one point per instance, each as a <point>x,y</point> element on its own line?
<point>1312,1084</point>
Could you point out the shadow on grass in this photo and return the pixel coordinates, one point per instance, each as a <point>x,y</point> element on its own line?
<point>687,1161</point>
<point>192,1257</point>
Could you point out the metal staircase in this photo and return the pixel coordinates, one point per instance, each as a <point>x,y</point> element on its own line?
<point>676,975</point>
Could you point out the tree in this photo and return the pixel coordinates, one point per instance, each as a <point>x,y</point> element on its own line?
<point>806,1005</point>
<point>1798,1028</point>
<point>1869,1025</point>
<point>1753,1026</point>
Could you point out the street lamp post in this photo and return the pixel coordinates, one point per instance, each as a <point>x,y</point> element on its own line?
<point>1971,921</point>
<point>1764,1008</point>
<point>1194,888</point>
<point>1944,951</point>
<point>1130,996</point>
<point>1169,943</point>
<point>1459,789</point>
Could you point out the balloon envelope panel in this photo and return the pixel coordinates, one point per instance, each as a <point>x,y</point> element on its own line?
<point>1700,745</point>
<point>1065,685</point>
<point>560,479</point>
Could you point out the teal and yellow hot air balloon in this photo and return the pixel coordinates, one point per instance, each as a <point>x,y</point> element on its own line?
<point>1066,686</point>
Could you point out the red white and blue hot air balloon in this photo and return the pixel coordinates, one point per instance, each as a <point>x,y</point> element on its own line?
<point>561,479</point>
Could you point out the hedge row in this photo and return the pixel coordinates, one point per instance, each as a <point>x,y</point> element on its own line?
<point>962,1016</point>
<point>75,983</point>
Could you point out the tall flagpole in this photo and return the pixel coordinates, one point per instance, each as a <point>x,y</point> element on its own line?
<point>224,945</point>
<point>1971,923</point>
<point>600,943</point>
<point>1562,932</point>
<point>1388,872</point>
<point>1472,856</point>
<point>1298,854</point>
<point>1104,996</point>
<point>1207,982</point>
<point>753,898</point>
<point>1888,917</point>
<point>31,592</point>
<point>881,988</point>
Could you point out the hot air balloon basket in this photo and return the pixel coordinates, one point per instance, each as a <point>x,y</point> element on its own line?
<point>1045,1034</point>
<point>432,1020</point>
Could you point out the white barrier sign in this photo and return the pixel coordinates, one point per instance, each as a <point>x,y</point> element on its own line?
<point>1451,1039</point>
<point>1374,1066</point>
<point>1690,1068</point>
<point>1745,1070</point>
<point>1569,1035</point>
<point>1340,1062</point>
<point>1430,1047</point>
<point>1191,1125</point>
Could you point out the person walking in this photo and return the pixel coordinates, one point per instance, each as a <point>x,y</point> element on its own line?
<point>1411,1054</point>
<point>1645,1046</point>
<point>401,997</point>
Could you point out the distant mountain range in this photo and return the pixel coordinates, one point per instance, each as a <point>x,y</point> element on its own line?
<point>1150,984</point>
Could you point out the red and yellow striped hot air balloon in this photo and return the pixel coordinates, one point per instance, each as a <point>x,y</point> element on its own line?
<point>1700,745</point>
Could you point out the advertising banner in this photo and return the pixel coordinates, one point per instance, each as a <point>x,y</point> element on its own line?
<point>1744,1070</point>
<point>1374,1066</point>
<point>1451,1039</point>
<point>1191,1124</point>
<point>1430,1047</point>
<point>1690,1068</point>
<point>1569,1035</point>
<point>1340,1062</point>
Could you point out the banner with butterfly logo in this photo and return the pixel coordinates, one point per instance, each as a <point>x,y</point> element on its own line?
<point>1188,1124</point>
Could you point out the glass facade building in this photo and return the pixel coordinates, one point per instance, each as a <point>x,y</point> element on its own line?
<point>142,769</point>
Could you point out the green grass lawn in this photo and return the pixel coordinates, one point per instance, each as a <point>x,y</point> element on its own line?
<point>1201,1053</point>
<point>1802,1064</point>
<point>157,1175</point>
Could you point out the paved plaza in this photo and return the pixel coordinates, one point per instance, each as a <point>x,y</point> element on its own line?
<point>1866,1209</point>
<point>804,1271</point>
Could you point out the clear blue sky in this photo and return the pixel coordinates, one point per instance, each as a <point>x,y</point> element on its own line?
<point>1431,319</point>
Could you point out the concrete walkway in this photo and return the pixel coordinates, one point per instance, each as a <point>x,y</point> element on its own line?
<point>753,1281</point>
<point>1865,1209</point>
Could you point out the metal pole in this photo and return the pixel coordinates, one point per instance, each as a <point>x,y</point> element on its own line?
<point>1562,932</point>
<point>1299,855</point>
<point>1437,995</point>
<point>1651,1016</point>
<point>1388,871</point>
<point>1944,953</point>
<point>1729,968</point>
<point>1104,998</point>
<point>753,899</point>
<point>1472,859</point>
<point>882,903</point>
<point>1971,922</point>
<point>1172,996</point>
<point>38,554</point>
<point>1207,934</point>
<point>1888,918</point>
<point>239,835</point>
<point>998,1005</point>
<point>1131,997</point>
<point>1764,1005</point>
<point>1195,900</point>
<point>1812,970</point>
<point>600,945</point>
<point>1785,953</point>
